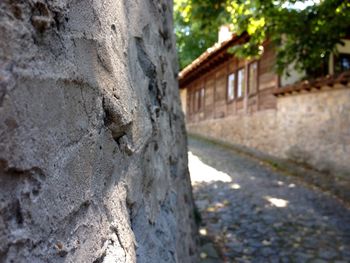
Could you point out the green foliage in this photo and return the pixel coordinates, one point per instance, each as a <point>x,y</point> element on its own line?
<point>196,26</point>
<point>304,32</point>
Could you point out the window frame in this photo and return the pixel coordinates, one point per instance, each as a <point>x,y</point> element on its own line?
<point>201,98</point>
<point>198,99</point>
<point>194,101</point>
<point>256,78</point>
<point>337,62</point>
<point>237,85</point>
<point>233,73</point>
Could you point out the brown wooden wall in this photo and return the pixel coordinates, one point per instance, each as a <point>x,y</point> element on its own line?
<point>215,104</point>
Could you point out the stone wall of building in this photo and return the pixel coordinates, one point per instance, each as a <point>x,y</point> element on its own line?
<point>309,128</point>
<point>93,158</point>
<point>255,130</point>
<point>314,129</point>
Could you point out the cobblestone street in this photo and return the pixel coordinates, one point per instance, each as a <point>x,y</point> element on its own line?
<point>255,214</point>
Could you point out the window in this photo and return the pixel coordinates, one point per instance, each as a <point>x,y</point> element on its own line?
<point>240,83</point>
<point>253,77</point>
<point>342,63</point>
<point>201,98</point>
<point>231,87</point>
<point>196,101</point>
<point>194,106</point>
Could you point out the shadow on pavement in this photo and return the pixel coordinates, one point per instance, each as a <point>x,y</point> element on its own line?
<point>254,214</point>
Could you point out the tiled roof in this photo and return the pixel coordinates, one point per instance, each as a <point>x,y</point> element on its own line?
<point>207,55</point>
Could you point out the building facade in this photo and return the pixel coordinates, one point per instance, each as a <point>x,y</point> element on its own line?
<point>243,102</point>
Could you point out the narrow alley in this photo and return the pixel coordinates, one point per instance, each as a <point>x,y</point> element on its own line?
<point>253,213</point>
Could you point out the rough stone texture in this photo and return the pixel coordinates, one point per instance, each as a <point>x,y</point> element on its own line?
<point>253,130</point>
<point>311,129</point>
<point>314,129</point>
<point>93,162</point>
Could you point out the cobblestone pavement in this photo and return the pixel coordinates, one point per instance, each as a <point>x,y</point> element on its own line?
<point>255,214</point>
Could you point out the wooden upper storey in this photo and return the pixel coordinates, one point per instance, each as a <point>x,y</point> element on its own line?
<point>219,84</point>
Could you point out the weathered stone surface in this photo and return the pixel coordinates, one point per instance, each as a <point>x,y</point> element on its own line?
<point>93,162</point>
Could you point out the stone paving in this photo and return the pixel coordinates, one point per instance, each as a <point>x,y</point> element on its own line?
<point>255,214</point>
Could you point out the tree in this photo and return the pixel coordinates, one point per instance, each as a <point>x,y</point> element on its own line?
<point>304,32</point>
<point>196,26</point>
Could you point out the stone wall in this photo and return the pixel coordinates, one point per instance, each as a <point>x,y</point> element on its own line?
<point>314,129</point>
<point>253,130</point>
<point>93,158</point>
<point>309,128</point>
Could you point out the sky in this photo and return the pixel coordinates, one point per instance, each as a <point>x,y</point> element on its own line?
<point>302,4</point>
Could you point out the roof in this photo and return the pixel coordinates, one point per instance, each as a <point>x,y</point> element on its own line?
<point>212,55</point>
<point>307,85</point>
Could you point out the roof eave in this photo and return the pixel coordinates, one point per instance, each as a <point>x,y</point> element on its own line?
<point>207,55</point>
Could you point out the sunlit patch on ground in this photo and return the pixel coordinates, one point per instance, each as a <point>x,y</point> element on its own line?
<point>235,186</point>
<point>277,201</point>
<point>252,214</point>
<point>203,231</point>
<point>201,172</point>
<point>217,206</point>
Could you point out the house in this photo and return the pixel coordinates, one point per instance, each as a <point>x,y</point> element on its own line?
<point>245,103</point>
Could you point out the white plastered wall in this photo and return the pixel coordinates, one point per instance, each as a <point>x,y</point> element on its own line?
<point>295,75</point>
